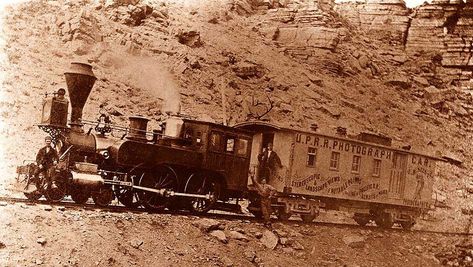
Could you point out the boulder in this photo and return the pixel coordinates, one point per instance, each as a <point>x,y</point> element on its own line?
<point>206,225</point>
<point>238,236</point>
<point>421,81</point>
<point>242,8</point>
<point>136,243</point>
<point>399,81</point>
<point>220,235</point>
<point>250,255</point>
<point>258,235</point>
<point>269,239</point>
<point>41,241</point>
<point>247,70</point>
<point>226,261</point>
<point>280,233</point>
<point>434,95</point>
<point>354,241</point>
<point>288,250</point>
<point>458,110</point>
<point>190,38</point>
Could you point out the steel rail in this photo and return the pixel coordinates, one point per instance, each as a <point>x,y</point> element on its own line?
<point>226,216</point>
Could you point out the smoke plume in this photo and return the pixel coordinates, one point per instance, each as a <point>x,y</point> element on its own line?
<point>150,76</point>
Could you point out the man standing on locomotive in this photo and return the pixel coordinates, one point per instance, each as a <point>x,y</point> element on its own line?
<point>266,192</point>
<point>46,158</point>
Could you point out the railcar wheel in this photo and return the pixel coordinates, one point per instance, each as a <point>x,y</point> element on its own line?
<point>103,197</point>
<point>361,219</point>
<point>282,214</point>
<point>163,177</point>
<point>80,195</point>
<point>254,207</point>
<point>408,224</point>
<point>202,185</point>
<point>33,196</point>
<point>307,218</point>
<point>257,213</point>
<point>384,220</point>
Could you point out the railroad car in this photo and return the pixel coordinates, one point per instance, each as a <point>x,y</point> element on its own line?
<point>198,166</point>
<point>362,174</point>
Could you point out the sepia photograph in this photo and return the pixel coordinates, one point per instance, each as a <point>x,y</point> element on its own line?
<point>236,133</point>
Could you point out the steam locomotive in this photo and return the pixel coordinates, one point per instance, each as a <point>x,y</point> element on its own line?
<point>198,166</point>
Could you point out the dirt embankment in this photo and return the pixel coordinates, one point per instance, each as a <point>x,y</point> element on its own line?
<point>57,236</point>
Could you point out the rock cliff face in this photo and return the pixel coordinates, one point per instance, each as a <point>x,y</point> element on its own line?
<point>303,26</point>
<point>430,25</point>
<point>386,19</point>
<point>444,27</point>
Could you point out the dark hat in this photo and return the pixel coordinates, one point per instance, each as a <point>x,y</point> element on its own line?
<point>48,138</point>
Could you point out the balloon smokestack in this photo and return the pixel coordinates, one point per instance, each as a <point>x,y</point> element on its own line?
<point>79,79</point>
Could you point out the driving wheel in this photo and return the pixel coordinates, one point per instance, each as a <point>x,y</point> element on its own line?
<point>202,184</point>
<point>162,177</point>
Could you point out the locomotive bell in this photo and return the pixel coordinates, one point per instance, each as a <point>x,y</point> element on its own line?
<point>80,79</point>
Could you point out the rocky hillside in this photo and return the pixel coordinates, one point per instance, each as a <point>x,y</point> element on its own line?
<point>371,66</point>
<point>317,62</point>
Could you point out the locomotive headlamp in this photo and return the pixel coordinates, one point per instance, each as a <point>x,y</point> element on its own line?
<point>105,154</point>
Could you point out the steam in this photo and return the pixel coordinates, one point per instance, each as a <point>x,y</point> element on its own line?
<point>149,75</point>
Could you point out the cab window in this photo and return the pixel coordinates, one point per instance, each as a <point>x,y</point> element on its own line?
<point>216,142</point>
<point>230,145</point>
<point>242,147</point>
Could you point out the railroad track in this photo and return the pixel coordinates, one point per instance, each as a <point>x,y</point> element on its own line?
<point>225,215</point>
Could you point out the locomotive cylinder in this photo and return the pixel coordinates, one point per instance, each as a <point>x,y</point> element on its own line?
<point>79,79</point>
<point>87,179</point>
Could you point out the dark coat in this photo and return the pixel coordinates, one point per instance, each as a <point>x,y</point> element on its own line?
<point>271,161</point>
<point>268,165</point>
<point>46,158</point>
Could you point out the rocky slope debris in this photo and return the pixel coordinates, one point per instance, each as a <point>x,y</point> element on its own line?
<point>57,238</point>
